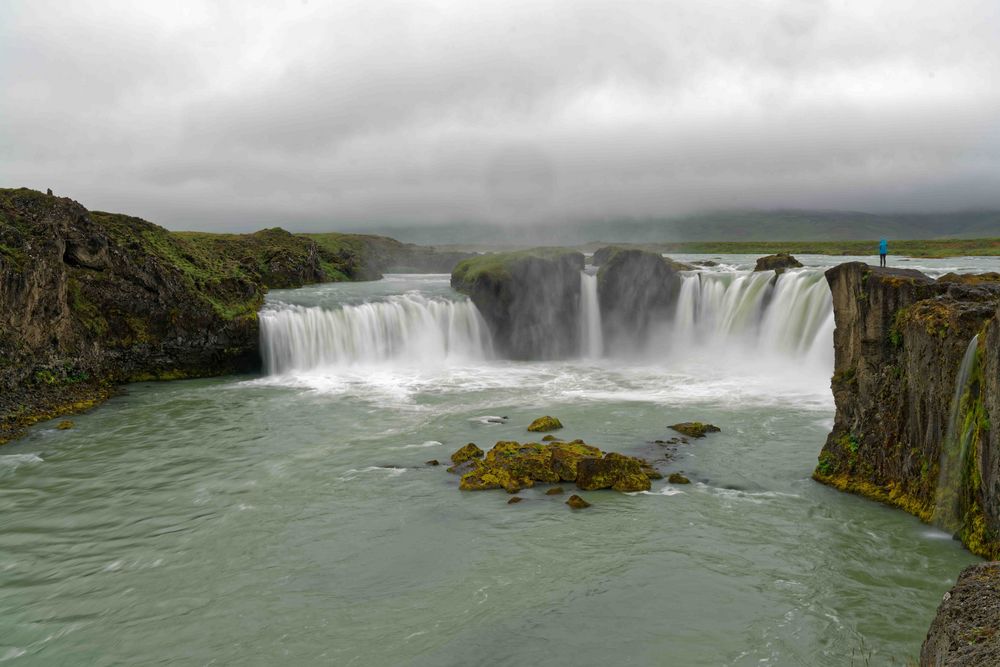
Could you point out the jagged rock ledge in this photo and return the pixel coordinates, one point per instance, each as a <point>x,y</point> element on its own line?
<point>899,342</point>
<point>89,300</point>
<point>966,630</point>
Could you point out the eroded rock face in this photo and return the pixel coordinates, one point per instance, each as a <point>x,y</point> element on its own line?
<point>530,300</point>
<point>899,342</point>
<point>91,299</point>
<point>636,289</point>
<point>966,630</point>
<point>777,263</point>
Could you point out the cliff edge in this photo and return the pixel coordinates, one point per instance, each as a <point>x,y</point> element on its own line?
<point>916,388</point>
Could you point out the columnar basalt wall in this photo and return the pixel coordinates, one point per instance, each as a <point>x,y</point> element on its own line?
<point>900,340</point>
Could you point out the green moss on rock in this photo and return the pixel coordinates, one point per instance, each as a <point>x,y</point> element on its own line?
<point>695,429</point>
<point>543,424</point>
<point>466,452</point>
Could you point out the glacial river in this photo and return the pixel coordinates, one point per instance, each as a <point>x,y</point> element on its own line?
<point>290,519</point>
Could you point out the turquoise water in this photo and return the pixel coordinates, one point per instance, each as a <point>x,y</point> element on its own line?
<point>291,519</point>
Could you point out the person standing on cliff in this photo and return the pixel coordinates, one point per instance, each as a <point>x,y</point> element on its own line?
<point>883,250</point>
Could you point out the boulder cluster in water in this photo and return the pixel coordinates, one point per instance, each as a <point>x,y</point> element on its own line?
<point>514,466</point>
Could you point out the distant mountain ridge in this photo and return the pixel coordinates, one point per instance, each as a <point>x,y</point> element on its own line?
<point>741,225</point>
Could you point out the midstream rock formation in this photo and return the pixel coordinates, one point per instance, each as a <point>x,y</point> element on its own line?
<point>530,300</point>
<point>900,340</point>
<point>636,289</point>
<point>89,299</point>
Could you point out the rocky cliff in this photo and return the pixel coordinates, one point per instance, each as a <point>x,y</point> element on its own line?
<point>966,630</point>
<point>636,289</point>
<point>89,299</point>
<point>899,434</point>
<point>530,300</point>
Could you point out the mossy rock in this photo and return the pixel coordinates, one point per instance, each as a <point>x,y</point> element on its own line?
<point>543,424</point>
<point>695,429</point>
<point>614,471</point>
<point>677,478</point>
<point>513,466</point>
<point>549,438</point>
<point>577,503</point>
<point>651,472</point>
<point>433,462</point>
<point>777,263</point>
<point>515,500</point>
<point>64,425</point>
<point>554,491</point>
<point>466,452</point>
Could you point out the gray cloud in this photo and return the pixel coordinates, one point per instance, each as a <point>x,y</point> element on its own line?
<point>315,115</point>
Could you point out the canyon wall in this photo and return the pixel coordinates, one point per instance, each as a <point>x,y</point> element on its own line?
<point>899,435</point>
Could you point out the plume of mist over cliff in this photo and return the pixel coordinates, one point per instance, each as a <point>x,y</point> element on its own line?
<point>523,115</point>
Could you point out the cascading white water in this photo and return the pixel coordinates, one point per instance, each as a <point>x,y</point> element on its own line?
<point>403,329</point>
<point>954,449</point>
<point>591,337</point>
<point>790,315</point>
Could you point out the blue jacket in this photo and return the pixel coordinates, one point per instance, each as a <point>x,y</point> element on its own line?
<point>883,247</point>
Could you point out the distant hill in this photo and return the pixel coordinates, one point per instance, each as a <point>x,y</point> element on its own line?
<point>784,225</point>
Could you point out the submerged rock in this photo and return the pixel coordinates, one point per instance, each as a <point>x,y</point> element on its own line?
<point>515,500</point>
<point>695,429</point>
<point>966,630</point>
<point>577,503</point>
<point>548,438</point>
<point>614,471</point>
<point>678,478</point>
<point>466,452</point>
<point>433,462</point>
<point>545,423</point>
<point>777,263</point>
<point>554,491</point>
<point>64,425</point>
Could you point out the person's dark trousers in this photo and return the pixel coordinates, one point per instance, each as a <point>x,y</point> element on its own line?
<point>881,260</point>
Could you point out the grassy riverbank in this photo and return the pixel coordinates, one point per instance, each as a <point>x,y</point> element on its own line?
<point>916,248</point>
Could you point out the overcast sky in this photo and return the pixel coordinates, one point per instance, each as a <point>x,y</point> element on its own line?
<point>319,115</point>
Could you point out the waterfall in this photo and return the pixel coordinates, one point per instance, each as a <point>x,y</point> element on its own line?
<point>591,338</point>
<point>403,329</point>
<point>955,448</point>
<point>736,313</point>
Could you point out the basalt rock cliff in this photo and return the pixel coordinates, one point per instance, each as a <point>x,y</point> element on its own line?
<point>89,300</point>
<point>899,434</point>
<point>530,300</point>
<point>636,289</point>
<point>966,630</point>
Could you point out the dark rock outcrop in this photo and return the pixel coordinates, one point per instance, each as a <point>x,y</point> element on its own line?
<point>777,263</point>
<point>530,300</point>
<point>636,289</point>
<point>899,342</point>
<point>966,630</point>
<point>89,300</point>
